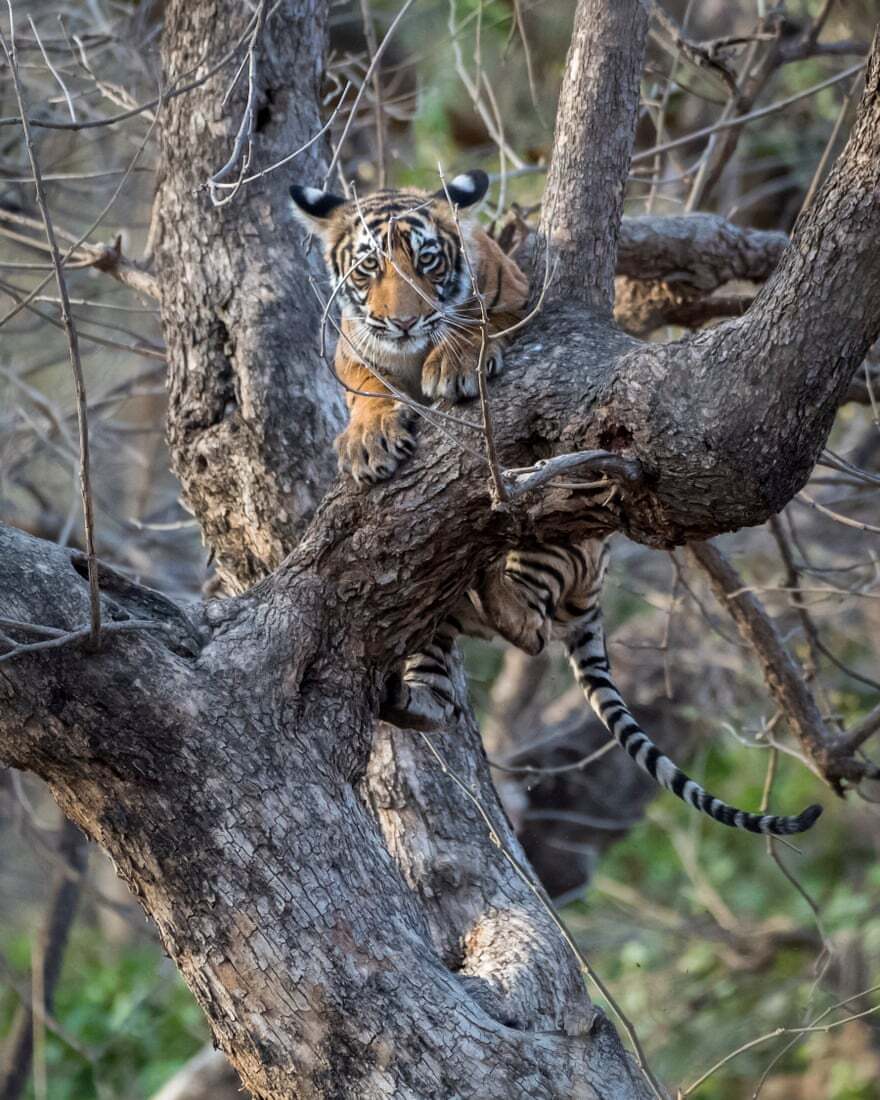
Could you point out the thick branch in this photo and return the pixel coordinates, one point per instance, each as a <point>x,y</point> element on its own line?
<point>228,768</point>
<point>702,251</point>
<point>253,409</point>
<point>595,124</point>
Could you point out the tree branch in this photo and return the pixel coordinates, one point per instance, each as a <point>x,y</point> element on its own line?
<point>310,891</point>
<point>703,251</point>
<point>595,125</point>
<point>833,759</point>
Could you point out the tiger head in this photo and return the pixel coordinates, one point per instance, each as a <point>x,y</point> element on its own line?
<point>396,262</point>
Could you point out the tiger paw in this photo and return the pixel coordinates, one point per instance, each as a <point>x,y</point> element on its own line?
<point>454,377</point>
<point>373,445</point>
<point>414,706</point>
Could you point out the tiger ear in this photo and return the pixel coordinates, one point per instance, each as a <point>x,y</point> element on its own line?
<point>313,207</point>
<point>465,189</point>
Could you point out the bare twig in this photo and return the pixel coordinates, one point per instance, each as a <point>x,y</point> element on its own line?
<point>499,490</point>
<point>378,111</point>
<point>741,120</point>
<point>57,639</point>
<point>473,87</point>
<point>285,159</point>
<point>377,57</point>
<point>73,343</point>
<point>772,850</point>
<point>171,93</point>
<point>805,498</point>
<point>560,769</point>
<point>107,260</point>
<point>54,72</point>
<point>819,173</point>
<point>705,55</point>
<point>816,1025</point>
<point>245,134</point>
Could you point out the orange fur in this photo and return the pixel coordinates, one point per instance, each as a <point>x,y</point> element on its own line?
<point>418,328</point>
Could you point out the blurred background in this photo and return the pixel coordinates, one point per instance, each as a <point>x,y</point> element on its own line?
<point>708,938</point>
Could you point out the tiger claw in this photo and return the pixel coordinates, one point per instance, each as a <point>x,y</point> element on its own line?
<point>372,447</point>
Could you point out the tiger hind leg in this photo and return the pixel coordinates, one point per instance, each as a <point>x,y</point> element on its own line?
<point>421,696</point>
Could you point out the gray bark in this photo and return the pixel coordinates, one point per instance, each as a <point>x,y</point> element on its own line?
<point>334,901</point>
<point>595,124</point>
<point>222,776</point>
<point>253,409</point>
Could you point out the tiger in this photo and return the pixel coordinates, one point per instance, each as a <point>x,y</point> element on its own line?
<point>409,278</point>
<point>549,592</point>
<point>412,282</point>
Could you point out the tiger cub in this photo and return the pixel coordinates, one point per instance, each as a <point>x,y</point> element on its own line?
<point>555,591</point>
<point>410,314</point>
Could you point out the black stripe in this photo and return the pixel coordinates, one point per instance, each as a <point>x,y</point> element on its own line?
<point>529,564</point>
<point>651,757</point>
<point>593,662</point>
<point>427,665</point>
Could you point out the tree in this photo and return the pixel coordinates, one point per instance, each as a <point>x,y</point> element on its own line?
<point>347,901</point>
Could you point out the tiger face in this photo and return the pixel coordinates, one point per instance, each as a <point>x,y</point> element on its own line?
<point>396,264</point>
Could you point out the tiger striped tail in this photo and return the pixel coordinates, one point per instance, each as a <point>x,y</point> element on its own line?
<point>589,659</point>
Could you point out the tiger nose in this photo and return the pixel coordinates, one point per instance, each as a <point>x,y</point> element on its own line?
<point>406,323</point>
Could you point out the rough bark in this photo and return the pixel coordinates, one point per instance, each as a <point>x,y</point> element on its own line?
<point>668,267</point>
<point>253,409</point>
<point>222,778</point>
<point>333,900</point>
<point>595,124</point>
<point>703,251</point>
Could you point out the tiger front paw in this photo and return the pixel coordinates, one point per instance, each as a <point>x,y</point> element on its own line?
<point>453,376</point>
<point>376,442</point>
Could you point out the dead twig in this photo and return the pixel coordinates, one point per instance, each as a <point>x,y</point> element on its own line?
<point>741,120</point>
<point>378,109</point>
<point>816,1025</point>
<point>56,639</point>
<point>499,490</point>
<point>243,146</point>
<point>72,340</point>
<point>377,57</point>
